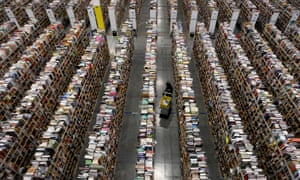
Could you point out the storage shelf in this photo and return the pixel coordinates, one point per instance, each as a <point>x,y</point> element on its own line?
<point>293,33</point>
<point>39,103</point>
<point>6,30</point>
<point>100,155</point>
<point>12,50</point>
<point>23,73</point>
<point>226,8</point>
<point>248,10</point>
<point>266,10</point>
<point>274,75</point>
<point>63,140</point>
<point>284,50</point>
<point>146,136</point>
<point>193,159</point>
<point>235,153</point>
<point>264,124</point>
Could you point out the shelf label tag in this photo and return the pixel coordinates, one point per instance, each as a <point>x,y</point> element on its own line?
<point>274,18</point>
<point>12,17</point>
<point>71,15</point>
<point>193,21</point>
<point>51,15</point>
<point>254,17</point>
<point>30,14</point>
<point>213,21</point>
<point>112,18</point>
<point>91,15</point>
<point>234,18</point>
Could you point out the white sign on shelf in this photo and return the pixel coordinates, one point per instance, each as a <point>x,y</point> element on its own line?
<point>112,18</point>
<point>173,18</point>
<point>71,15</point>
<point>213,21</point>
<point>132,17</point>
<point>92,18</point>
<point>51,16</point>
<point>30,14</point>
<point>234,18</point>
<point>274,18</point>
<point>193,21</point>
<point>153,14</point>
<point>254,17</point>
<point>12,17</point>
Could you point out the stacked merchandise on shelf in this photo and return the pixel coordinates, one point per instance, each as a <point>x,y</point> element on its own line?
<point>12,50</point>
<point>266,10</point>
<point>265,126</point>
<point>275,76</point>
<point>146,141</point>
<point>57,154</point>
<point>189,7</point>
<point>134,12</point>
<point>295,3</point>
<point>37,13</point>
<point>23,73</point>
<point>104,6</point>
<point>285,15</point>
<point>293,33</point>
<point>284,50</point>
<point>3,16</point>
<point>172,4</point>
<point>226,8</point>
<point>194,165</point>
<point>249,12</point>
<point>235,152</point>
<point>206,10</point>
<point>172,12</point>
<point>56,11</point>
<point>19,134</point>
<point>76,10</point>
<point>15,10</point>
<point>6,29</point>
<point>100,155</point>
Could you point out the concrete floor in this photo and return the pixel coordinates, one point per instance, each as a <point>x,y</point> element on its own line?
<point>167,154</point>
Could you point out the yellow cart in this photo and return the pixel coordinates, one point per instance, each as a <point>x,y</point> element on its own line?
<point>165,104</point>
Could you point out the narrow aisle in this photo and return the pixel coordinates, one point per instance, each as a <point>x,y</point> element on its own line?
<point>205,130</point>
<point>167,153</point>
<point>126,155</point>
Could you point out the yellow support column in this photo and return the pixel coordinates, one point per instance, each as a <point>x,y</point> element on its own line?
<point>99,17</point>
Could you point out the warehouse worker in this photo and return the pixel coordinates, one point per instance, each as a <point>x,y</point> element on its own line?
<point>169,87</point>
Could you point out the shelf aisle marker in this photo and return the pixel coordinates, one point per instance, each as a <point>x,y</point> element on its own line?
<point>31,14</point>
<point>92,18</point>
<point>213,21</point>
<point>51,16</point>
<point>234,18</point>
<point>274,17</point>
<point>112,18</point>
<point>71,15</point>
<point>193,21</point>
<point>254,17</point>
<point>132,18</point>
